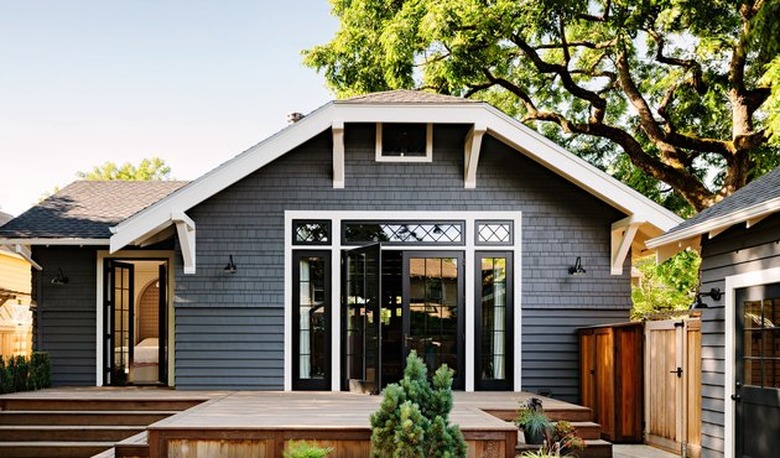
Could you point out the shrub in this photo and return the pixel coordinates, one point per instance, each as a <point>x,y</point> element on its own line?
<point>20,373</point>
<point>413,418</point>
<point>533,421</point>
<point>303,449</point>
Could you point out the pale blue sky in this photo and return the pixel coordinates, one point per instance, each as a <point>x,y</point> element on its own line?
<point>193,82</point>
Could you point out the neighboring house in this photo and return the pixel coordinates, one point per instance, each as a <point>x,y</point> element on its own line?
<point>269,271</point>
<point>15,315</point>
<point>739,240</point>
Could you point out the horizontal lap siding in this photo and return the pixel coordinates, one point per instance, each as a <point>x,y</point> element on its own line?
<point>733,252</point>
<point>560,222</point>
<point>551,349</point>
<point>66,314</point>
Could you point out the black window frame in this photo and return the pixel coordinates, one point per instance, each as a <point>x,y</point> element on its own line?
<point>480,243</point>
<point>346,242</point>
<point>506,384</point>
<point>325,222</point>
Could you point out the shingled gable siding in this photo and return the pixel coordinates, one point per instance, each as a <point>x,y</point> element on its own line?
<point>229,329</point>
<point>733,252</point>
<point>66,314</point>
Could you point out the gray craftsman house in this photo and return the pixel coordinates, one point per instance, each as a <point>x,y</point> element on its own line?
<point>319,258</point>
<point>739,240</point>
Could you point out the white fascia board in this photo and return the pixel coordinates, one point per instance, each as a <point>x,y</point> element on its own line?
<point>157,216</point>
<point>714,225</point>
<point>580,172</point>
<point>54,242</point>
<point>24,252</point>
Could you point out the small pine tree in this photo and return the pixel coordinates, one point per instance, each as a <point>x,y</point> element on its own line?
<point>413,418</point>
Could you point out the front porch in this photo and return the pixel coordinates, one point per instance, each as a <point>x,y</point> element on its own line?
<point>245,423</point>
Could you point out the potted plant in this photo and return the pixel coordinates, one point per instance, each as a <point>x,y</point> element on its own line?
<point>532,420</point>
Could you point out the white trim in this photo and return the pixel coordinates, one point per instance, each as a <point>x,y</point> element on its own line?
<point>733,283</point>
<point>185,228</point>
<point>337,129</point>
<point>507,129</point>
<point>469,248</point>
<point>621,240</point>
<point>102,255</point>
<point>54,242</point>
<point>380,157</point>
<point>24,251</point>
<point>473,145</point>
<point>751,214</point>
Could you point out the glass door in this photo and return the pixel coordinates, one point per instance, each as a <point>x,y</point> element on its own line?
<point>311,320</point>
<point>361,319</point>
<point>119,295</point>
<point>494,319</point>
<point>757,391</point>
<point>433,318</point>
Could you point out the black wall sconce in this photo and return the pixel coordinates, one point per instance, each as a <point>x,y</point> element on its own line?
<point>230,268</point>
<point>714,293</point>
<point>59,279</point>
<point>577,268</point>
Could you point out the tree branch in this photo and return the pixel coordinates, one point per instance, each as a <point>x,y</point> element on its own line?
<point>689,64</point>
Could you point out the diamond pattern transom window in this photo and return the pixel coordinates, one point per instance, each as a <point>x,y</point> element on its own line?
<point>494,233</point>
<point>311,232</point>
<point>405,233</point>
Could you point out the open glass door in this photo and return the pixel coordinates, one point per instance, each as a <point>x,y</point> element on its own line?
<point>362,323</point>
<point>119,296</point>
<point>433,318</point>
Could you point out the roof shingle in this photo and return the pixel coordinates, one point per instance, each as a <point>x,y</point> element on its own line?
<point>86,209</point>
<point>405,96</point>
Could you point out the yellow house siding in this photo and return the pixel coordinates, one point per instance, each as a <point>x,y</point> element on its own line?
<point>14,274</point>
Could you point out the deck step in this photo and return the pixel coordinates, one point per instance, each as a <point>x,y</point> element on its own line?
<point>66,433</point>
<point>49,449</point>
<point>570,414</point>
<point>49,404</point>
<point>595,448</point>
<point>45,418</point>
<point>587,429</point>
<point>136,447</point>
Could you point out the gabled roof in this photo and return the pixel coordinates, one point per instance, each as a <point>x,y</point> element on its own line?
<point>750,204</point>
<point>643,215</point>
<point>85,210</point>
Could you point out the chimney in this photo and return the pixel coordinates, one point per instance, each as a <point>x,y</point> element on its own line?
<point>292,118</point>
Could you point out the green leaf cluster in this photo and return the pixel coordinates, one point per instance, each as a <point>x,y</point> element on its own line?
<point>148,169</point>
<point>413,418</point>
<point>304,449</point>
<point>666,287</point>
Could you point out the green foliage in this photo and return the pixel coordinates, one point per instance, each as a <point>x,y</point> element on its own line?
<point>555,63</point>
<point>669,286</point>
<point>303,449</point>
<point>413,418</point>
<point>563,440</point>
<point>147,170</point>
<point>533,421</point>
<point>20,373</point>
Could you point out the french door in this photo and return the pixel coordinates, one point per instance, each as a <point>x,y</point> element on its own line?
<point>119,298</point>
<point>311,320</point>
<point>757,391</point>
<point>433,310</point>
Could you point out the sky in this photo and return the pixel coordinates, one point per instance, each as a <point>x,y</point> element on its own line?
<point>192,82</point>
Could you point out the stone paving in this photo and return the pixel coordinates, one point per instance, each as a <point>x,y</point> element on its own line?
<point>639,451</point>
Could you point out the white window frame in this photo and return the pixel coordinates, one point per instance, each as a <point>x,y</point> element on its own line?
<point>469,249</point>
<point>733,283</point>
<point>100,341</point>
<point>428,147</point>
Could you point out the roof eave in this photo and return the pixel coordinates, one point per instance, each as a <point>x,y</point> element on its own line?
<point>54,241</point>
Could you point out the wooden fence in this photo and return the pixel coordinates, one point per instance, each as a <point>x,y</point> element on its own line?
<point>673,385</point>
<point>15,340</point>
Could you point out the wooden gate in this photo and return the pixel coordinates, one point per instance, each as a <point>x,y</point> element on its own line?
<point>673,385</point>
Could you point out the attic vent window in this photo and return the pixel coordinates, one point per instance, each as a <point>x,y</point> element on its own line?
<point>404,142</point>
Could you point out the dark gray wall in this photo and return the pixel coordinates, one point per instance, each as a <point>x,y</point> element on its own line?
<point>733,252</point>
<point>229,328</point>
<point>66,314</point>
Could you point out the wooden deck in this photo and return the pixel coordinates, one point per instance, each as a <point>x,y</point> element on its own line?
<point>254,423</point>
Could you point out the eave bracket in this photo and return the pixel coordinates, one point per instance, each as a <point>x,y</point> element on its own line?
<point>185,229</point>
<point>473,145</point>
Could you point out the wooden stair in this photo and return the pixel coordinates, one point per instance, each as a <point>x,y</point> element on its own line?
<point>580,418</point>
<point>79,428</point>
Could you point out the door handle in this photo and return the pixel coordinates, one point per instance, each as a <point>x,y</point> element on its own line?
<point>407,341</point>
<point>678,371</point>
<point>736,397</point>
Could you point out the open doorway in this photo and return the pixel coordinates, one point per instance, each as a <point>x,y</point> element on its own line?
<point>136,304</point>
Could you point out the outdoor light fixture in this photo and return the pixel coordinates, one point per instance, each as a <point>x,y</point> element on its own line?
<point>714,293</point>
<point>59,279</point>
<point>230,268</point>
<point>577,268</point>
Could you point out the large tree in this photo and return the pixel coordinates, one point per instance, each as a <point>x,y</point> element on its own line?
<point>654,91</point>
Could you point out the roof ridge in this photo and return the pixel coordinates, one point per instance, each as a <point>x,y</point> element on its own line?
<point>405,96</point>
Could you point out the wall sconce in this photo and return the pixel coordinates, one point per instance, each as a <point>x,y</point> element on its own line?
<point>577,268</point>
<point>59,279</point>
<point>714,293</point>
<point>230,268</point>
